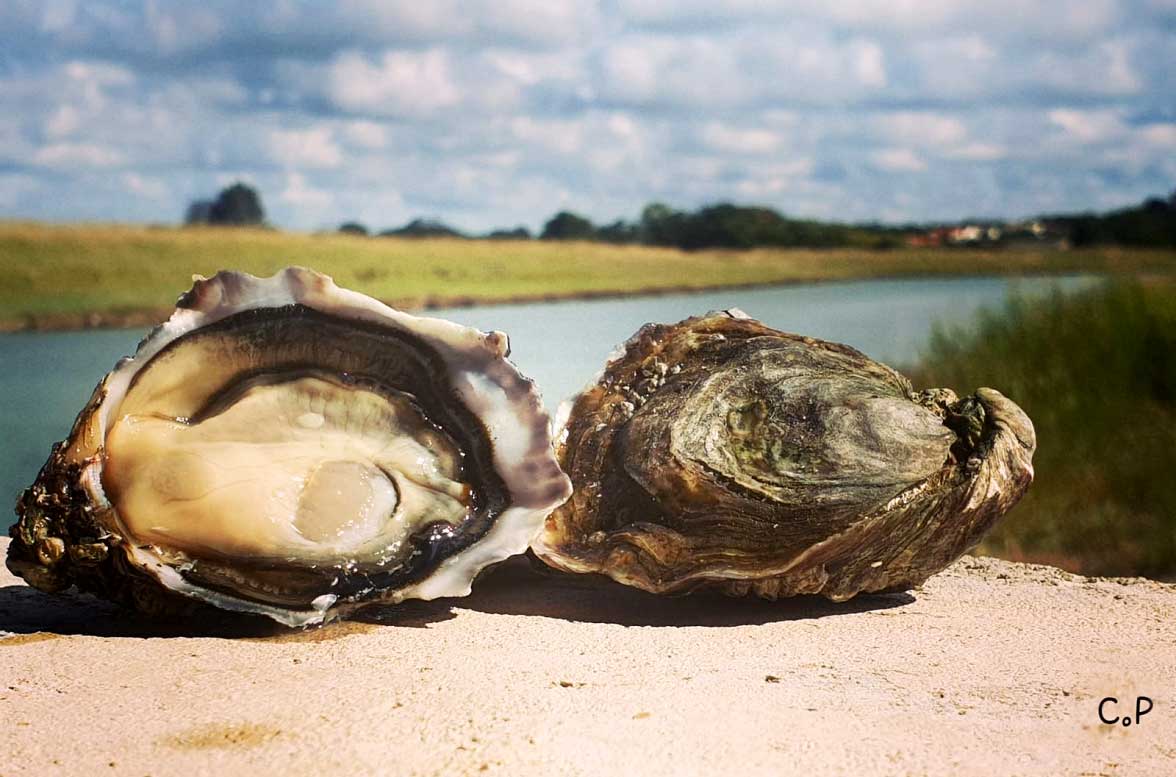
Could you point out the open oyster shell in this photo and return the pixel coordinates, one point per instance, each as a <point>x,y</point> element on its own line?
<point>286,447</point>
<point>719,452</point>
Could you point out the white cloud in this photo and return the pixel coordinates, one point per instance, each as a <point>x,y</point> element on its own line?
<point>653,70</point>
<point>623,126</point>
<point>869,63</point>
<point>531,68</point>
<point>301,194</point>
<point>144,186</point>
<point>935,133</point>
<point>954,67</point>
<point>314,147</point>
<point>70,155</point>
<point>770,181</point>
<point>399,83</point>
<point>977,152</point>
<point>177,28</point>
<point>923,128</point>
<point>1104,69</point>
<point>750,69</point>
<point>1162,135</point>
<point>365,134</point>
<point>99,73</point>
<point>409,20</point>
<point>899,160</point>
<point>64,121</point>
<point>538,21</point>
<point>559,136</point>
<point>737,140</point>
<point>1088,126</point>
<point>58,15</point>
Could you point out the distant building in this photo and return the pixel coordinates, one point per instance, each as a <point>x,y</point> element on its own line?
<point>968,234</point>
<point>989,234</point>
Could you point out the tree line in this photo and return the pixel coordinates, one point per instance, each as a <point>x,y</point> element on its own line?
<point>725,225</point>
<point>1152,223</point>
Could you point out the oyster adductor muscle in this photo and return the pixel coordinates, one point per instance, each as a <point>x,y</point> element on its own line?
<point>718,452</point>
<point>286,447</point>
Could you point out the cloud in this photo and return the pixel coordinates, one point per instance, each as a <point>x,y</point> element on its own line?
<point>366,134</point>
<point>738,140</point>
<point>69,155</point>
<point>925,128</point>
<point>1160,135</point>
<point>1088,126</point>
<point>747,68</point>
<point>497,113</point>
<point>143,186</point>
<point>899,160</point>
<point>300,194</point>
<point>315,148</point>
<point>977,152</point>
<point>869,63</point>
<point>64,121</point>
<point>398,83</point>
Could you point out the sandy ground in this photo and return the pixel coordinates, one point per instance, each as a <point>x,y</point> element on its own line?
<point>991,668</point>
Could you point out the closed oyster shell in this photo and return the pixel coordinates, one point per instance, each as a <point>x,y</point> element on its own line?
<point>286,447</point>
<point>718,452</point>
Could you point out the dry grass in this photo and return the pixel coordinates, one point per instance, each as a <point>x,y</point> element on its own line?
<point>50,272</point>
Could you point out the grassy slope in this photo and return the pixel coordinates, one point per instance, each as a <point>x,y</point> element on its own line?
<point>48,271</point>
<point>1097,374</point>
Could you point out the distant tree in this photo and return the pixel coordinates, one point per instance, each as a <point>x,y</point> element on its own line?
<point>620,231</point>
<point>238,205</point>
<point>199,212</point>
<point>518,233</point>
<point>1084,229</point>
<point>734,226</point>
<point>423,228</point>
<point>353,228</point>
<point>661,225</point>
<point>566,225</point>
<point>1151,223</point>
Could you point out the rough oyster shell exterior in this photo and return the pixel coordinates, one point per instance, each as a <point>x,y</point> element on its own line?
<point>720,453</point>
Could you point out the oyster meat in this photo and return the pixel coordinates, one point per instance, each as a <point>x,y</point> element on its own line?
<point>718,452</point>
<point>286,447</point>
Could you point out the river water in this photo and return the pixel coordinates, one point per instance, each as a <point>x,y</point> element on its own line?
<point>45,378</point>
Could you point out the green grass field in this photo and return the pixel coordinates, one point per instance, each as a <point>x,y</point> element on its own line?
<point>1097,374</point>
<point>64,276</point>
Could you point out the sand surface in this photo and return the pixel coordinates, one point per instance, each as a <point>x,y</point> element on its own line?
<point>991,668</point>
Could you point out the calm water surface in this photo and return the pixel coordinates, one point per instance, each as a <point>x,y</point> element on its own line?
<point>45,378</point>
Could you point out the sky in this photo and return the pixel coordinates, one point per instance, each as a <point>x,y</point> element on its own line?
<point>494,113</point>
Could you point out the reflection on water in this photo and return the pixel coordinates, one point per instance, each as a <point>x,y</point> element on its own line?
<point>46,377</point>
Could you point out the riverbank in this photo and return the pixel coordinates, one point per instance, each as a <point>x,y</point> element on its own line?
<point>991,667</point>
<point>58,277</point>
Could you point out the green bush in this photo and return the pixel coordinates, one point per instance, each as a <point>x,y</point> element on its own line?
<point>1097,374</point>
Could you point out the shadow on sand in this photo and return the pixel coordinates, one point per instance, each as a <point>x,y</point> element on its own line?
<point>27,611</point>
<point>517,587</point>
<point>512,588</point>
